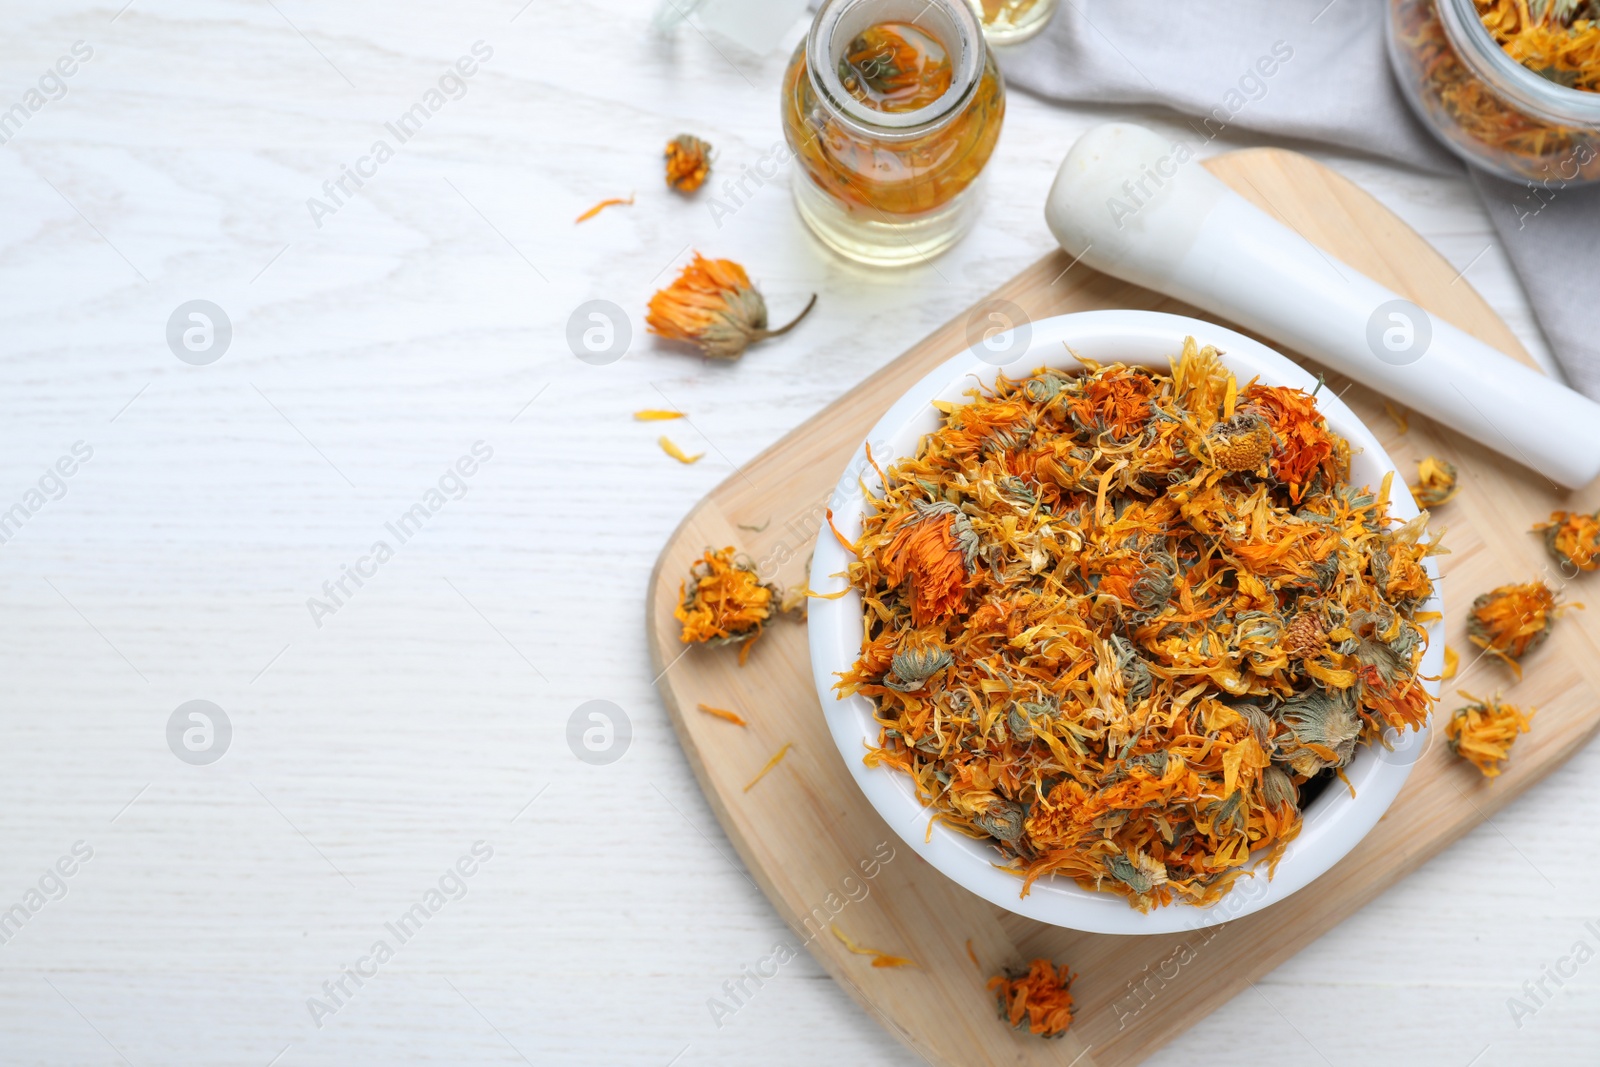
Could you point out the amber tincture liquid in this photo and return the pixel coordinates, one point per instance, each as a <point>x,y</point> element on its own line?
<point>893,67</point>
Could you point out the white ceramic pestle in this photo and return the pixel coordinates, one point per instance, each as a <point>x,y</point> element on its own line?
<point>1131,204</point>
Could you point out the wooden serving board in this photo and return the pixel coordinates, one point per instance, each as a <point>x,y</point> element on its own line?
<point>810,838</point>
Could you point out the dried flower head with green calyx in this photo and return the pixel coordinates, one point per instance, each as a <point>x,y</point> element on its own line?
<point>1573,540</point>
<point>1153,588</point>
<point>713,306</point>
<point>1044,388</point>
<point>1132,668</point>
<point>1241,443</point>
<point>1260,723</point>
<point>1278,789</point>
<point>1022,714</point>
<point>911,668</point>
<point>1436,482</point>
<point>1323,728</point>
<point>1513,620</point>
<point>724,600</point>
<point>966,538</point>
<point>1137,871</point>
<point>1258,637</point>
<point>1224,814</point>
<point>1000,818</point>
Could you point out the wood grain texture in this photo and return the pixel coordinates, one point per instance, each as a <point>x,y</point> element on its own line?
<point>806,832</point>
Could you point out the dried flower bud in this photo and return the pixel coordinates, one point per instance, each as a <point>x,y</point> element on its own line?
<point>1241,443</point>
<point>1513,620</point>
<point>1305,635</point>
<point>1224,814</point>
<point>1278,789</point>
<point>1153,588</point>
<point>1482,732</point>
<point>999,818</point>
<point>932,552</point>
<point>1137,871</point>
<point>1260,724</point>
<point>1044,388</point>
<point>1024,713</point>
<point>1436,482</point>
<point>1258,635</point>
<point>912,667</point>
<point>1305,453</point>
<point>1573,539</point>
<point>1323,728</point>
<point>688,162</point>
<point>713,306</point>
<point>723,601</point>
<point>1384,647</point>
<point>1118,403</point>
<point>1154,763</point>
<point>1036,1000</point>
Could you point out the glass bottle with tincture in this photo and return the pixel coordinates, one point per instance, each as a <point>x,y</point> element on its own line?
<point>892,108</point>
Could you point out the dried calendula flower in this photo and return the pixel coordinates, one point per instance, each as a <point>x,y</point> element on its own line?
<point>1306,455</point>
<point>688,162</point>
<point>1037,1000</point>
<point>1116,621</point>
<point>927,550</point>
<point>723,601</point>
<point>1323,730</point>
<point>1573,538</point>
<point>1483,732</point>
<point>1513,620</point>
<point>713,306</point>
<point>1241,443</point>
<point>912,667</point>
<point>1436,482</point>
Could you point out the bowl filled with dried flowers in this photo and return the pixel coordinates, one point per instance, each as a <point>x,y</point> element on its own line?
<point>1131,627</point>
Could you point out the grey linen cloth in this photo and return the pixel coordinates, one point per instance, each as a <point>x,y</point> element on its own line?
<point>1314,71</point>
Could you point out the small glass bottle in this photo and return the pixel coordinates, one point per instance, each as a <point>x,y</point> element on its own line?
<point>892,108</point>
<point>1008,22</point>
<point>1484,105</point>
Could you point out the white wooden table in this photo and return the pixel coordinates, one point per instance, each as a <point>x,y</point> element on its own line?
<point>428,710</point>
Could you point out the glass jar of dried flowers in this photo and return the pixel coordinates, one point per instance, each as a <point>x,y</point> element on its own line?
<point>1510,85</point>
<point>892,108</point>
